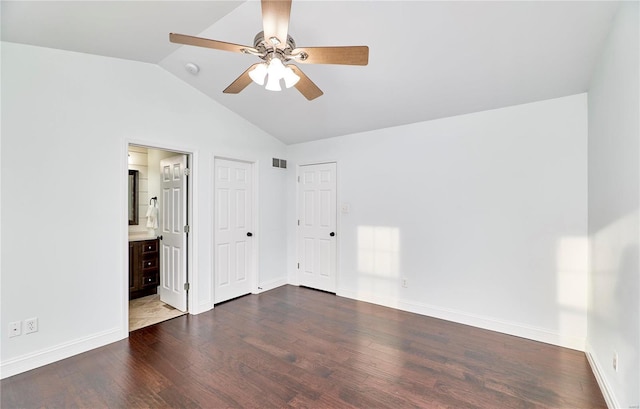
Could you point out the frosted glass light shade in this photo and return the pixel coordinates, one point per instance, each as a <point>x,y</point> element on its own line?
<point>290,77</point>
<point>259,73</point>
<point>273,83</point>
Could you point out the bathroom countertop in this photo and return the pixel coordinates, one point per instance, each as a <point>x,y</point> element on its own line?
<point>140,237</point>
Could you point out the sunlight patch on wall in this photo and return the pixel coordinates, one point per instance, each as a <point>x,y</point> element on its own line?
<point>572,268</point>
<point>571,285</point>
<point>379,250</point>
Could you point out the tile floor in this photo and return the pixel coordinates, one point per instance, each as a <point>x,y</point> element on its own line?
<point>149,310</point>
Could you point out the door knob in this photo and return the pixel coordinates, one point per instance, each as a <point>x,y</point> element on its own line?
<point>332,234</point>
<point>249,234</point>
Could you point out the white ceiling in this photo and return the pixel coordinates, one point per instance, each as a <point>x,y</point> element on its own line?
<point>427,59</point>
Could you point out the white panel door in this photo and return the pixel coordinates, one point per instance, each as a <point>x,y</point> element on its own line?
<point>173,254</point>
<point>233,229</point>
<point>317,226</point>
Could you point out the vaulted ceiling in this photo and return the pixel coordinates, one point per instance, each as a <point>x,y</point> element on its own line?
<point>427,59</point>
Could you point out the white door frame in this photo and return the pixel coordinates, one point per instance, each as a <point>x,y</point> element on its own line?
<point>338,218</point>
<point>192,216</point>
<point>255,273</point>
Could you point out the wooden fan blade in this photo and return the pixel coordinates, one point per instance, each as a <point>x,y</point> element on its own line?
<point>275,21</point>
<point>305,85</point>
<point>241,82</point>
<point>205,42</point>
<point>353,55</point>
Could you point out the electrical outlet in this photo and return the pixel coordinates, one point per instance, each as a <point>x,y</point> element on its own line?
<point>404,283</point>
<point>15,329</point>
<point>31,325</point>
<point>615,361</point>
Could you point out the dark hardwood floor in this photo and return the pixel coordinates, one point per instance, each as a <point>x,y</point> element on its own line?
<point>295,347</point>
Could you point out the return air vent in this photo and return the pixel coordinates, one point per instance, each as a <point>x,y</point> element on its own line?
<point>279,163</point>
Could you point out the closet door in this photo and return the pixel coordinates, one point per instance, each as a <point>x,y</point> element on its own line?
<point>317,220</point>
<point>234,233</point>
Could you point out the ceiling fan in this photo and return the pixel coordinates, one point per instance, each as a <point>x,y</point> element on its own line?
<point>277,49</point>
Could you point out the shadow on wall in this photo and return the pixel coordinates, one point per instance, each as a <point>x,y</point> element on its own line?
<point>614,322</point>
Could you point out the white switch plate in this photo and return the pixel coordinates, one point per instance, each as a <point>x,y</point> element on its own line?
<point>345,208</point>
<point>15,329</point>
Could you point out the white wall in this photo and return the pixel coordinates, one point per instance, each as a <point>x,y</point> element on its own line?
<point>490,211</point>
<point>75,114</point>
<point>614,224</point>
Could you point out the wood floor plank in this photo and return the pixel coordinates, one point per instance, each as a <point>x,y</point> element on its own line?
<point>299,348</point>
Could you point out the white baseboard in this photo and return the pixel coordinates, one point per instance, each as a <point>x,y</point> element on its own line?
<point>46,356</point>
<point>596,368</point>
<point>270,285</point>
<point>492,324</point>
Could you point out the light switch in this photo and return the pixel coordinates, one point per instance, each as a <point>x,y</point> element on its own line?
<point>345,208</point>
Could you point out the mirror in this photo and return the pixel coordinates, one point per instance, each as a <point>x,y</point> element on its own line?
<point>133,197</point>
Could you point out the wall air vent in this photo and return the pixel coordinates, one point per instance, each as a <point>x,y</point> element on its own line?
<point>279,163</point>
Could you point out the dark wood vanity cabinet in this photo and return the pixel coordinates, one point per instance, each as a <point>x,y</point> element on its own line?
<point>144,268</point>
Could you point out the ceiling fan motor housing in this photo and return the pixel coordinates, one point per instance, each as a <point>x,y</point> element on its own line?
<point>268,51</point>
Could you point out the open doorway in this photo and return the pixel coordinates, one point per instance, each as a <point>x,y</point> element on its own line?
<point>158,228</point>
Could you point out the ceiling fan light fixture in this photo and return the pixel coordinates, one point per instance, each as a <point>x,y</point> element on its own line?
<point>276,68</point>
<point>275,72</point>
<point>259,73</point>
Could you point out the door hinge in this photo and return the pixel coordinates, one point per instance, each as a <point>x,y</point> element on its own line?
<point>298,266</point>
<point>298,179</point>
<point>186,228</point>
<point>187,171</point>
<point>186,286</point>
<point>298,222</point>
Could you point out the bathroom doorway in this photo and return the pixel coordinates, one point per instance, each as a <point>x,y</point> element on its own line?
<point>158,235</point>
